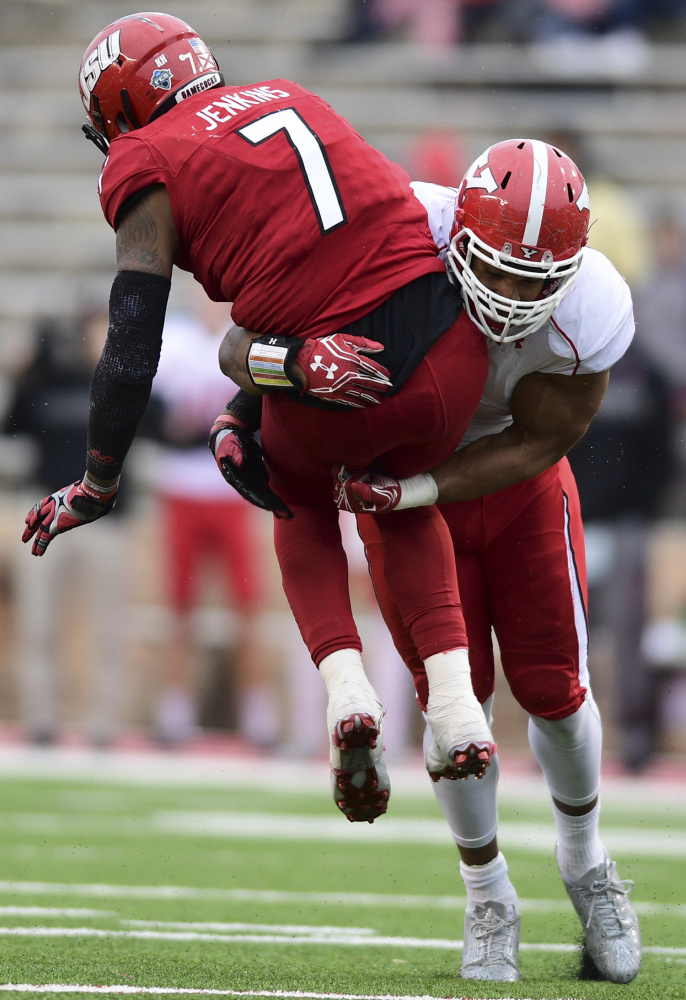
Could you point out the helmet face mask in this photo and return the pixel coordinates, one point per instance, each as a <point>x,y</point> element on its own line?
<point>523,208</point>
<point>137,68</point>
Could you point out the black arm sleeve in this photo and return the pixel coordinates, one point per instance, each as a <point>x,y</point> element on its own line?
<point>248,409</point>
<point>122,379</point>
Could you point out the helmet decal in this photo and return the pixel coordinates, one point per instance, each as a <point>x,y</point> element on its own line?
<point>205,59</point>
<point>105,54</point>
<point>161,79</point>
<point>483,178</point>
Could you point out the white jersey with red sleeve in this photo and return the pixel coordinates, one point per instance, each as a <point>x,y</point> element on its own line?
<point>589,331</point>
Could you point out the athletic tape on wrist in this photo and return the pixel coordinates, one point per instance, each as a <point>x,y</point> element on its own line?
<point>417,491</point>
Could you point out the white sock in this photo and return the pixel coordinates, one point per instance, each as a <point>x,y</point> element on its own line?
<point>488,882</point>
<point>579,847</point>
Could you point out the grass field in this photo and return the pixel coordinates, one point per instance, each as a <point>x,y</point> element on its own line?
<point>170,874</point>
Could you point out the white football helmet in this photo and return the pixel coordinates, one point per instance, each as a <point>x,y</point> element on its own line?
<point>522,207</point>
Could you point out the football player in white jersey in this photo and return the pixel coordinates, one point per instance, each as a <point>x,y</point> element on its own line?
<point>557,316</point>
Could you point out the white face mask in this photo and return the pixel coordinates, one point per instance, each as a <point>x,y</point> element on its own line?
<point>501,319</point>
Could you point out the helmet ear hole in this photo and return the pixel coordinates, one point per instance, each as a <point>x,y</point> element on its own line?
<point>122,123</point>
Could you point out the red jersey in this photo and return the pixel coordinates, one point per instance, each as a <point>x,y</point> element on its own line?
<point>280,206</point>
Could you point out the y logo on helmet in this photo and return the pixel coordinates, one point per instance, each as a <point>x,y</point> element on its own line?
<point>584,200</point>
<point>103,55</point>
<point>480,175</point>
<point>161,79</point>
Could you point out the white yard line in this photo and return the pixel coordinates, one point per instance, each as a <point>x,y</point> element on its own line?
<point>278,896</point>
<point>347,939</point>
<point>51,911</point>
<point>165,991</point>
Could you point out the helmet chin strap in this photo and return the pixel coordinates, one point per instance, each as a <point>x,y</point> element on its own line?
<point>98,138</point>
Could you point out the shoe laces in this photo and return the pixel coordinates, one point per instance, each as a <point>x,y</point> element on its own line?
<point>487,933</point>
<point>607,895</point>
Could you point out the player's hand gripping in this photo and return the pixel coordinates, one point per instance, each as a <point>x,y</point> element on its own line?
<point>65,509</point>
<point>374,493</point>
<point>336,369</point>
<point>365,492</point>
<point>240,462</point>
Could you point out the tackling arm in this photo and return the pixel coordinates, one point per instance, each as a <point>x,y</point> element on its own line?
<point>550,414</point>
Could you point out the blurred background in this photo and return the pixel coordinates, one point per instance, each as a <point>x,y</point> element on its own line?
<point>206,653</point>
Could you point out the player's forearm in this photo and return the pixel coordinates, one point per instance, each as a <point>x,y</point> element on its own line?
<point>115,413</point>
<point>233,353</point>
<point>493,463</point>
<point>248,409</point>
<point>234,362</point>
<point>122,380</point>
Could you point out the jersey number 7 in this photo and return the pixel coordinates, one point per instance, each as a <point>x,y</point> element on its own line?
<point>314,163</point>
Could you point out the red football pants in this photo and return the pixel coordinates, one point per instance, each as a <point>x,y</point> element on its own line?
<point>521,568</point>
<point>406,434</point>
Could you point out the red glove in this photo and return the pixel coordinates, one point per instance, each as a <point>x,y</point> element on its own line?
<point>225,441</point>
<point>365,492</point>
<point>66,509</point>
<point>336,370</point>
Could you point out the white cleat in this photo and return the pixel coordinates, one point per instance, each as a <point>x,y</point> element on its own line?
<point>613,936</point>
<point>491,943</point>
<point>461,743</point>
<point>359,778</point>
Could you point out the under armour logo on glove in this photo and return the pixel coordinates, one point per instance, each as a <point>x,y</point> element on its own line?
<point>319,363</point>
<point>350,377</point>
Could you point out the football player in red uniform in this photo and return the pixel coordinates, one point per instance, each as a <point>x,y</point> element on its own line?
<point>519,218</point>
<point>277,205</point>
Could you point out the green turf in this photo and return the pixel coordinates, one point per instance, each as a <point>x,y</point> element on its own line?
<point>81,834</point>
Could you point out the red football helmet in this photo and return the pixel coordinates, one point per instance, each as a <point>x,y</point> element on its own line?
<point>137,68</point>
<point>522,207</point>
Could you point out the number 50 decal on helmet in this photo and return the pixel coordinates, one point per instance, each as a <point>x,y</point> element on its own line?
<point>522,207</point>
<point>137,68</point>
